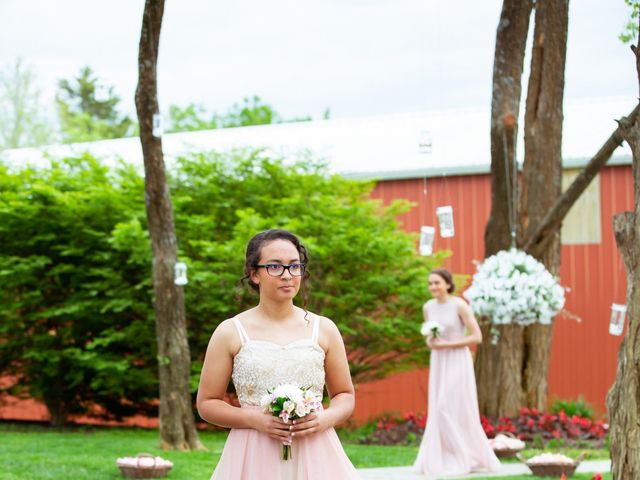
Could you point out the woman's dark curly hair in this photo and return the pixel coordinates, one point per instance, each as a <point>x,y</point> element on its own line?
<point>254,251</point>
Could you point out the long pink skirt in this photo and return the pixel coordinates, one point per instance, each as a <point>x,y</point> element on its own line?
<point>251,455</point>
<point>454,442</point>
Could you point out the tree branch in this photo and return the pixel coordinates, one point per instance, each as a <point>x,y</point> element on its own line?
<point>553,220</point>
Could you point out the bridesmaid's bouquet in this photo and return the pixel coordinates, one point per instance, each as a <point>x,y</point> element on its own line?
<point>431,328</point>
<point>290,402</point>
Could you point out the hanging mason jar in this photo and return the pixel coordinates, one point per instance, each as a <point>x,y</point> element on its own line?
<point>158,127</point>
<point>445,219</point>
<point>425,143</point>
<point>616,324</point>
<point>180,273</point>
<point>427,234</point>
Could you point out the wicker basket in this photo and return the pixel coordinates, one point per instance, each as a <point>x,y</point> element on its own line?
<point>144,471</point>
<point>507,452</point>
<point>552,469</point>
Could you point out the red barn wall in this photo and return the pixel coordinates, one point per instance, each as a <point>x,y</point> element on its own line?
<point>584,355</point>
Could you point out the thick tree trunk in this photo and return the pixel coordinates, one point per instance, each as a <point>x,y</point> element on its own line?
<point>177,426</point>
<point>511,40</point>
<point>542,171</point>
<point>623,401</point>
<point>525,381</point>
<point>58,411</point>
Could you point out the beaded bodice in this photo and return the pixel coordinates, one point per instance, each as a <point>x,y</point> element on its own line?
<point>260,366</point>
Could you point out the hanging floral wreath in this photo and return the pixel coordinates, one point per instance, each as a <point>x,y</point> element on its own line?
<point>512,287</point>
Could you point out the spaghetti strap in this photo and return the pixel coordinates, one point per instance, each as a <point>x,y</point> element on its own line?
<point>241,331</point>
<point>316,328</point>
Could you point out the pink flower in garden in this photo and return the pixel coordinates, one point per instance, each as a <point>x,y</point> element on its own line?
<point>422,421</point>
<point>573,432</point>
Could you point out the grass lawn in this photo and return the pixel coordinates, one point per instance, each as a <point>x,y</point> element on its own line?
<point>35,452</point>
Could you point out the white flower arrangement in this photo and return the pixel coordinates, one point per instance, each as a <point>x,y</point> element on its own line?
<point>431,328</point>
<point>512,287</point>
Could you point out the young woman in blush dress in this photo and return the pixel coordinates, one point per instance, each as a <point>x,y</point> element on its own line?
<point>272,344</point>
<point>454,442</point>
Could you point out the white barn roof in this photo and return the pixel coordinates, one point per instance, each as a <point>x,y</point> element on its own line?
<point>410,145</point>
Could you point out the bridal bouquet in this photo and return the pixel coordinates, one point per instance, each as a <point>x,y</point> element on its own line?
<point>431,328</point>
<point>290,402</point>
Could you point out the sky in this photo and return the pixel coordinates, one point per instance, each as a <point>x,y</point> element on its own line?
<point>355,57</point>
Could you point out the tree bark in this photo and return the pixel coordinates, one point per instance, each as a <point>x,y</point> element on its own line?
<point>511,37</point>
<point>542,171</point>
<point>623,401</point>
<point>177,425</point>
<point>525,381</point>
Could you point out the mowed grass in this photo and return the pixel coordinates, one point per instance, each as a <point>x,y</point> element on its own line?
<point>35,452</point>
<point>41,453</point>
<point>32,452</point>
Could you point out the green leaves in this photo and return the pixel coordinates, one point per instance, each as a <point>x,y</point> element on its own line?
<point>630,32</point>
<point>85,115</point>
<point>76,316</point>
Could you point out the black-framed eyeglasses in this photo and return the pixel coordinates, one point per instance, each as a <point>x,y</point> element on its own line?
<point>277,269</point>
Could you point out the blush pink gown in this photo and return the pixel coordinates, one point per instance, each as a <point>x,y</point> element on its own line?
<point>454,442</point>
<point>252,455</point>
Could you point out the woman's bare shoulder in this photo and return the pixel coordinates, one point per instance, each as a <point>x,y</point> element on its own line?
<point>226,337</point>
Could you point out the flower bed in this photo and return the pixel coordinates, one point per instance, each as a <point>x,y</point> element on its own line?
<point>390,430</point>
<point>530,426</point>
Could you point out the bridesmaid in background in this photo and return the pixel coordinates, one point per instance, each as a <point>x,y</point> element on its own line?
<point>454,442</point>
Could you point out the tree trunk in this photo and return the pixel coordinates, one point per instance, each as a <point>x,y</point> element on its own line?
<point>623,401</point>
<point>542,171</point>
<point>525,381</point>
<point>177,426</point>
<point>511,40</point>
<point>494,384</point>
<point>58,411</point>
